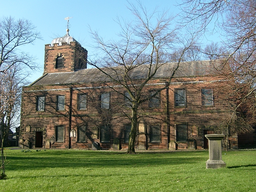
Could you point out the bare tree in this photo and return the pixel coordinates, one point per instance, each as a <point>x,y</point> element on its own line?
<point>10,93</point>
<point>143,46</point>
<point>13,35</point>
<point>236,21</point>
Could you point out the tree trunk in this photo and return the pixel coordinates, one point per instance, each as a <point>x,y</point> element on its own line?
<point>2,153</point>
<point>227,138</point>
<point>2,156</point>
<point>132,136</point>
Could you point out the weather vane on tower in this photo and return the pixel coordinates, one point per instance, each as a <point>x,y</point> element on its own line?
<point>67,19</point>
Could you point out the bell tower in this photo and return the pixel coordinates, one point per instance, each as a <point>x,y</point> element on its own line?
<point>64,54</point>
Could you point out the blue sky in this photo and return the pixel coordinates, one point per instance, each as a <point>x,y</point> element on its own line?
<point>49,18</point>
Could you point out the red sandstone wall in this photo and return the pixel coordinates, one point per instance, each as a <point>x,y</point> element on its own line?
<point>194,114</point>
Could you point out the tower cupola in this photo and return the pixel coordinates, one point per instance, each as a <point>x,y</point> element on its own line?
<point>65,39</point>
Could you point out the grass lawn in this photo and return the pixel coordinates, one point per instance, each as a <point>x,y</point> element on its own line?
<point>79,170</point>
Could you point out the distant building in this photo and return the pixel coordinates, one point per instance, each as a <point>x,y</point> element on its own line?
<point>10,139</point>
<point>70,106</point>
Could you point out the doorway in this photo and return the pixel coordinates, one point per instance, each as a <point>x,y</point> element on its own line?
<point>206,146</point>
<point>39,139</point>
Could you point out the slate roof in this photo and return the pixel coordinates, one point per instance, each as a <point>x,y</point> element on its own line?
<point>186,69</point>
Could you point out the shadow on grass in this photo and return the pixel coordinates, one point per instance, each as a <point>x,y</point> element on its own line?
<point>74,159</point>
<point>239,166</point>
<point>78,175</point>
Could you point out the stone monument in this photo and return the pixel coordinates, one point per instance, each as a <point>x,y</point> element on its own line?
<point>215,151</point>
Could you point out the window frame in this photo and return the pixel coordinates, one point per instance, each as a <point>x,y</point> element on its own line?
<point>152,100</point>
<point>179,104</point>
<point>152,136</point>
<point>106,129</point>
<point>78,134</point>
<point>127,133</point>
<point>57,133</point>
<point>181,138</point>
<point>79,101</point>
<point>58,104</point>
<point>103,104</point>
<point>127,99</point>
<point>204,98</point>
<point>39,103</point>
<point>59,62</point>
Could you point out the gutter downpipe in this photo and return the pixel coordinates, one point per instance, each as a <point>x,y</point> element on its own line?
<point>167,115</point>
<point>70,116</point>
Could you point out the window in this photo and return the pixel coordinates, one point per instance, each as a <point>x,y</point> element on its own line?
<point>40,103</point>
<point>155,134</point>
<point>127,131</point>
<point>105,100</point>
<point>81,133</point>
<point>180,97</point>
<point>154,101</point>
<point>207,97</point>
<point>59,62</point>
<point>82,101</point>
<point>181,132</point>
<point>59,130</point>
<point>104,134</point>
<point>127,99</point>
<point>60,102</point>
<point>80,64</point>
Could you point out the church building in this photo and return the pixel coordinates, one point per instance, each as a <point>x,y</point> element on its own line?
<point>71,106</point>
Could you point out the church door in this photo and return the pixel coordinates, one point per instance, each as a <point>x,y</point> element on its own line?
<point>39,139</point>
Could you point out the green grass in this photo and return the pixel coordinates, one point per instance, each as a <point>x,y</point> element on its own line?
<point>78,170</point>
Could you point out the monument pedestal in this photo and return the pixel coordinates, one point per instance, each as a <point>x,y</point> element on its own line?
<point>215,151</point>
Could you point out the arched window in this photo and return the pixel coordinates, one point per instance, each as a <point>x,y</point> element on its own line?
<point>59,61</point>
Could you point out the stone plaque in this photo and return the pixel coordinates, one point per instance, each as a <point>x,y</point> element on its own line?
<point>28,128</point>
